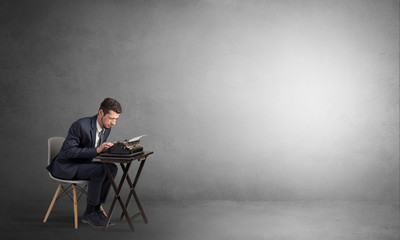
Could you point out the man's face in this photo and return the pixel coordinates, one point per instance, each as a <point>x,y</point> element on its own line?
<point>109,119</point>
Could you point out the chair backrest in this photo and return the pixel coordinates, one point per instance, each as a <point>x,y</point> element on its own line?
<point>54,146</point>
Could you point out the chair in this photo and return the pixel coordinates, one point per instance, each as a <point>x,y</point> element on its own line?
<point>54,146</point>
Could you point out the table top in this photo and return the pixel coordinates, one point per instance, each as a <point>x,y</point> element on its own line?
<point>107,157</point>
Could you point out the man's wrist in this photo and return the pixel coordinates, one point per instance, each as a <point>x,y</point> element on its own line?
<point>98,150</point>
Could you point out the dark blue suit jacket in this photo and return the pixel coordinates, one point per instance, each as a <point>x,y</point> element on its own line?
<point>78,147</point>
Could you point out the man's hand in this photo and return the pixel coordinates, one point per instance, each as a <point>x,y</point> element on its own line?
<point>104,146</point>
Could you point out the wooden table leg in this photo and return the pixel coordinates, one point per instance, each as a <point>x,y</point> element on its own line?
<point>132,192</point>
<point>117,195</point>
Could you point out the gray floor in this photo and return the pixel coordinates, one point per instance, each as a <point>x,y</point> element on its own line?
<point>214,220</point>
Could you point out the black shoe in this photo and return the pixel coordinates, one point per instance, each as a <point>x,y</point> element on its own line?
<point>103,216</point>
<point>93,219</point>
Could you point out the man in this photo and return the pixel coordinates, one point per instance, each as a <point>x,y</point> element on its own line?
<point>86,139</point>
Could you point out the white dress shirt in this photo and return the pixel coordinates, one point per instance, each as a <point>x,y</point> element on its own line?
<point>98,130</point>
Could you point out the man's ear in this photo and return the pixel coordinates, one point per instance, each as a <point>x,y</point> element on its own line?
<point>101,113</point>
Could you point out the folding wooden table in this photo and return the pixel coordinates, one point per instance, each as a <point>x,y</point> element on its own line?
<point>125,161</point>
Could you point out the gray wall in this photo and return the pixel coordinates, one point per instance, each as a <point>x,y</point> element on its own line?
<point>242,100</point>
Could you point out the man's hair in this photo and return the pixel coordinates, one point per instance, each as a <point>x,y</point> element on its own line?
<point>110,104</point>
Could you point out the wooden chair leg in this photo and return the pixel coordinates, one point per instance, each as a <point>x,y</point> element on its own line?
<point>102,209</point>
<point>75,206</point>
<point>52,202</point>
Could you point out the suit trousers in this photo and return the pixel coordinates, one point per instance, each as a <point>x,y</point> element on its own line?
<point>99,182</point>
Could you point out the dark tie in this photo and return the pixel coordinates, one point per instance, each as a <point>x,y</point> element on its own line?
<point>101,138</point>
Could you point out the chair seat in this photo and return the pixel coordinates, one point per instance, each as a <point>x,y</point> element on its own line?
<point>72,181</point>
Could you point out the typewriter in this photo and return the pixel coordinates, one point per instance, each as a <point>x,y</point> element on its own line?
<point>125,148</point>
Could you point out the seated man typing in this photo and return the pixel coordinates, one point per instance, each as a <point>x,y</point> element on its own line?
<point>86,138</point>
